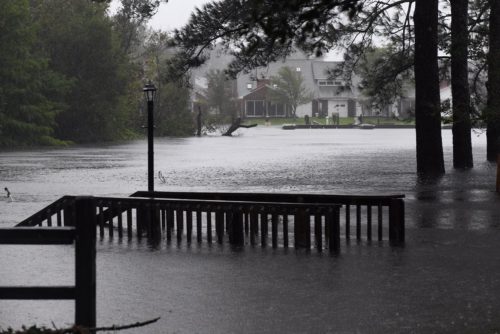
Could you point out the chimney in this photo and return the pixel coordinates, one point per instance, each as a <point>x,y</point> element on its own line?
<point>263,82</point>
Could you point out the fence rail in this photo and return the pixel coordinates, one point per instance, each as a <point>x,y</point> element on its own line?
<point>84,236</point>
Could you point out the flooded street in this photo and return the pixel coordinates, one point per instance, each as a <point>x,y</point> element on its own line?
<point>445,280</point>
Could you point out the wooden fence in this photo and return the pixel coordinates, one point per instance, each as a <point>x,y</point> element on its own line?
<point>275,224</point>
<point>84,236</point>
<point>279,220</point>
<point>380,214</point>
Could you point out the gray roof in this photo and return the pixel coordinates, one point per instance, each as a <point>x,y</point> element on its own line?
<point>320,69</point>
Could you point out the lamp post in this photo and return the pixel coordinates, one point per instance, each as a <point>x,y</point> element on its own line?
<point>149,93</point>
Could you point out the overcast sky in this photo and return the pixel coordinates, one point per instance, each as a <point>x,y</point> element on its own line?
<point>175,13</point>
<point>171,15</point>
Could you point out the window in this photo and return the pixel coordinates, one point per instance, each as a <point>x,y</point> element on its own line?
<point>271,109</point>
<point>329,83</point>
<point>260,109</point>
<point>255,108</point>
<point>249,85</point>
<point>325,82</point>
<point>280,110</point>
<point>297,69</point>
<point>250,108</point>
<point>275,109</point>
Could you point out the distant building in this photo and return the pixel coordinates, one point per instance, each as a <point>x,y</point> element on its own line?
<point>258,103</point>
<point>331,95</point>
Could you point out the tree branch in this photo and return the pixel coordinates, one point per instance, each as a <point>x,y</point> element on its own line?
<point>119,328</point>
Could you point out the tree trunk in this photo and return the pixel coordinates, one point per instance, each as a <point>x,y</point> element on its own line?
<point>235,126</point>
<point>493,103</point>
<point>198,122</point>
<point>427,103</point>
<point>462,147</point>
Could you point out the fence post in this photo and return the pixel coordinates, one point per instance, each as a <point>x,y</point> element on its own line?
<point>302,229</point>
<point>235,228</point>
<point>333,223</point>
<point>141,220</point>
<point>219,224</point>
<point>69,215</point>
<point>85,268</point>
<point>397,222</point>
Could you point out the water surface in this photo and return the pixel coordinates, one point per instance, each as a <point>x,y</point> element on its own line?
<point>446,279</point>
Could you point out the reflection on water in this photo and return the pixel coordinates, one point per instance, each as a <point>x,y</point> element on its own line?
<point>445,280</point>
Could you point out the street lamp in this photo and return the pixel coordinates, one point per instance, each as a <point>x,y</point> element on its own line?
<point>149,93</point>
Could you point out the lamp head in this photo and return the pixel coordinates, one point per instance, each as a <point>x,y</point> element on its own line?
<point>149,91</point>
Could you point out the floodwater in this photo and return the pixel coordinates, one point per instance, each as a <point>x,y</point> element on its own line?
<point>445,280</point>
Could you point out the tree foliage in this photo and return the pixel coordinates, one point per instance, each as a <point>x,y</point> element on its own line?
<point>220,94</point>
<point>288,88</point>
<point>84,49</point>
<point>173,115</point>
<point>385,75</point>
<point>257,32</point>
<point>129,21</point>
<point>172,106</point>
<point>71,73</point>
<point>29,91</point>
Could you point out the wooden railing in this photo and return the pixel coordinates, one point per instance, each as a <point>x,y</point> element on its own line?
<point>59,213</point>
<point>279,220</point>
<point>380,214</point>
<point>255,223</point>
<point>264,223</point>
<point>84,236</point>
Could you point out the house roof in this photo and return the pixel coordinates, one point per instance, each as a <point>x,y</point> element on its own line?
<point>302,65</point>
<point>320,69</point>
<point>260,93</point>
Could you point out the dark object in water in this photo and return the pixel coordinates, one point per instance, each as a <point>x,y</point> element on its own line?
<point>236,125</point>
<point>366,126</point>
